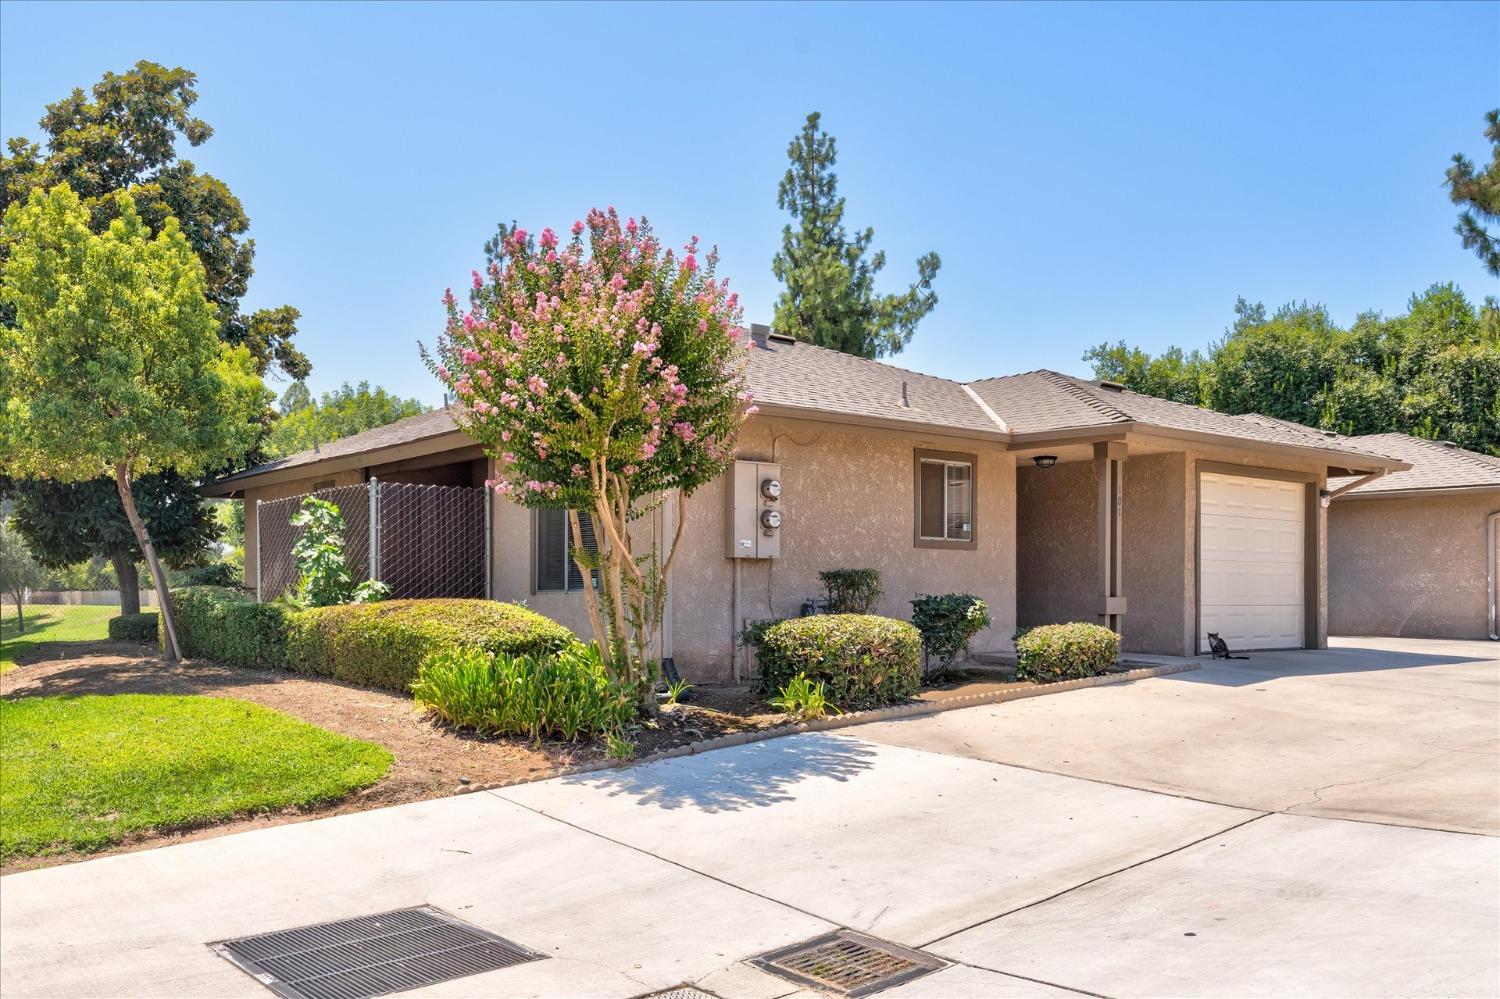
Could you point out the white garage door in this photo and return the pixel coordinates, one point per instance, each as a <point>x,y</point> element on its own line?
<point>1250,561</point>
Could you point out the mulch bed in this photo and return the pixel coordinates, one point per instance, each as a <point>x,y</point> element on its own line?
<point>432,760</point>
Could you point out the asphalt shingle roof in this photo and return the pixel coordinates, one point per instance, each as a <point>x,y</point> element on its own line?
<point>1046,401</point>
<point>413,428</point>
<point>1434,465</point>
<point>821,381</point>
<point>815,378</point>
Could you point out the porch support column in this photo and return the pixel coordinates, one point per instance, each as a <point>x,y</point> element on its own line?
<point>1109,473</point>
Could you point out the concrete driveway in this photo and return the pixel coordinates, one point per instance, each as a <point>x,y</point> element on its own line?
<point>1395,730</point>
<point>1027,883</point>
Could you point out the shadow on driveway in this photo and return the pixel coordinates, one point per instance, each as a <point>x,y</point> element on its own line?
<point>753,776</point>
<point>1263,666</point>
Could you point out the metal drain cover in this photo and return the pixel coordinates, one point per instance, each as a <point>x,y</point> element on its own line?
<point>849,963</point>
<point>680,992</point>
<point>371,955</point>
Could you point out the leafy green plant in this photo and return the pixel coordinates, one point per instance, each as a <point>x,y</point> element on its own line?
<point>802,698</point>
<point>1066,652</point>
<point>947,624</point>
<point>865,661</point>
<point>384,644</point>
<point>618,746</point>
<point>134,627</point>
<point>676,690</point>
<point>851,591</point>
<point>561,695</point>
<point>323,573</point>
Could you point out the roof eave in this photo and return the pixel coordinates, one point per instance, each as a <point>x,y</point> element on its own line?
<point>1417,491</point>
<point>233,486</point>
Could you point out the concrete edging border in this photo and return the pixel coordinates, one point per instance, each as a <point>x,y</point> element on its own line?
<point>1014,692</point>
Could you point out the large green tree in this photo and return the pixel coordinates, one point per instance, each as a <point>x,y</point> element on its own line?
<point>830,298</point>
<point>123,135</point>
<point>1432,372</point>
<point>1479,192</point>
<point>345,411</point>
<point>113,364</point>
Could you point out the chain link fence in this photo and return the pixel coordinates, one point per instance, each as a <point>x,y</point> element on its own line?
<point>426,541</point>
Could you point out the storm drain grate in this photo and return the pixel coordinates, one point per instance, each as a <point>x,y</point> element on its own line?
<point>849,963</point>
<point>371,955</point>
<point>680,992</point>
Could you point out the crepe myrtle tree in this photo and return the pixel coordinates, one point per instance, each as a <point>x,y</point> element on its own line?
<point>602,373</point>
<point>114,366</point>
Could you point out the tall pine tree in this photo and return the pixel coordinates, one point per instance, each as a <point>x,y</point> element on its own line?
<point>1479,192</point>
<point>830,298</point>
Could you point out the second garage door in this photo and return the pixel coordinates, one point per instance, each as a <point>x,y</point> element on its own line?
<point>1250,562</point>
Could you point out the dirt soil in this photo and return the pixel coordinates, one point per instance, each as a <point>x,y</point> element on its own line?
<point>432,760</point>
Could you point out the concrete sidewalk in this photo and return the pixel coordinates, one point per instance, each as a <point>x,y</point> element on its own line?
<point>1030,883</point>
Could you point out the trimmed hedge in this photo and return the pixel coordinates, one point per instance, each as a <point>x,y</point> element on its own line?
<point>228,626</point>
<point>384,644</point>
<point>864,661</point>
<point>1065,651</point>
<point>133,627</point>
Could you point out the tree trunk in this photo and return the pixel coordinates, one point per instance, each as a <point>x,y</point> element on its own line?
<point>173,651</point>
<point>130,581</point>
<point>20,617</point>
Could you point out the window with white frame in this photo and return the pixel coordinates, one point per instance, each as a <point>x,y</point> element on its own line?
<point>556,569</point>
<point>944,499</point>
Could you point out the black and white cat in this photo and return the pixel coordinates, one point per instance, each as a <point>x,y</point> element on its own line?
<point>1220,648</point>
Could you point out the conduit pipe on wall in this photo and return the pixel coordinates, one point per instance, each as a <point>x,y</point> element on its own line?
<point>1494,519</point>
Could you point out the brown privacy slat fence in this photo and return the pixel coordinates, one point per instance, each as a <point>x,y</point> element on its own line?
<point>427,541</point>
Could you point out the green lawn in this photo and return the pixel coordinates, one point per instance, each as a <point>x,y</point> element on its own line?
<point>49,623</point>
<point>83,772</point>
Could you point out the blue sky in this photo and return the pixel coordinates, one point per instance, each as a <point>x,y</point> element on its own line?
<point>1086,172</point>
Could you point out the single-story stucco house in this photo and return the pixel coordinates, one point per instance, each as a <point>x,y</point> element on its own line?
<point>1415,553</point>
<point>1052,498</point>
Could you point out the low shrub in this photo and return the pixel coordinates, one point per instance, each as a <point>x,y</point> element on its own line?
<point>1065,651</point>
<point>213,574</point>
<point>133,627</point>
<point>863,661</point>
<point>851,591</point>
<point>563,694</point>
<point>947,624</point>
<point>384,644</point>
<point>228,626</point>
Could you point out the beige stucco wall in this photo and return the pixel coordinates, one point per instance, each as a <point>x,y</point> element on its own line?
<point>1410,566</point>
<point>1057,543</point>
<point>847,502</point>
<point>1057,546</point>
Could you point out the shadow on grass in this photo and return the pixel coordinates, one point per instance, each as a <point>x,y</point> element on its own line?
<point>756,775</point>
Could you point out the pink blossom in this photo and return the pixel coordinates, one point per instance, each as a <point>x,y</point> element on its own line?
<point>478,281</point>
<point>578,227</point>
<point>689,263</point>
<point>537,384</point>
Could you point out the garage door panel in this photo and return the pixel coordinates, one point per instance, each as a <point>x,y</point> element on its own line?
<point>1249,539</point>
<point>1267,584</point>
<point>1251,551</point>
<point>1254,627</point>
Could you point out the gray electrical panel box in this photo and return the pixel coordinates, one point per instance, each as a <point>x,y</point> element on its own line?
<point>752,510</point>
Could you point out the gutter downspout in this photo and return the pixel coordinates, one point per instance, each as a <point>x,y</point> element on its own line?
<point>1494,519</point>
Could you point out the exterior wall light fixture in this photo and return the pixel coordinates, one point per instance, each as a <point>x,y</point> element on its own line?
<point>1045,460</point>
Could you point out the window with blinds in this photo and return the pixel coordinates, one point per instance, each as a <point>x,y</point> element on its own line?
<point>555,568</point>
<point>945,498</point>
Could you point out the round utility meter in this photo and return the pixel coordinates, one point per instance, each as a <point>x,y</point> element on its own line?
<point>771,489</point>
<point>770,519</point>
